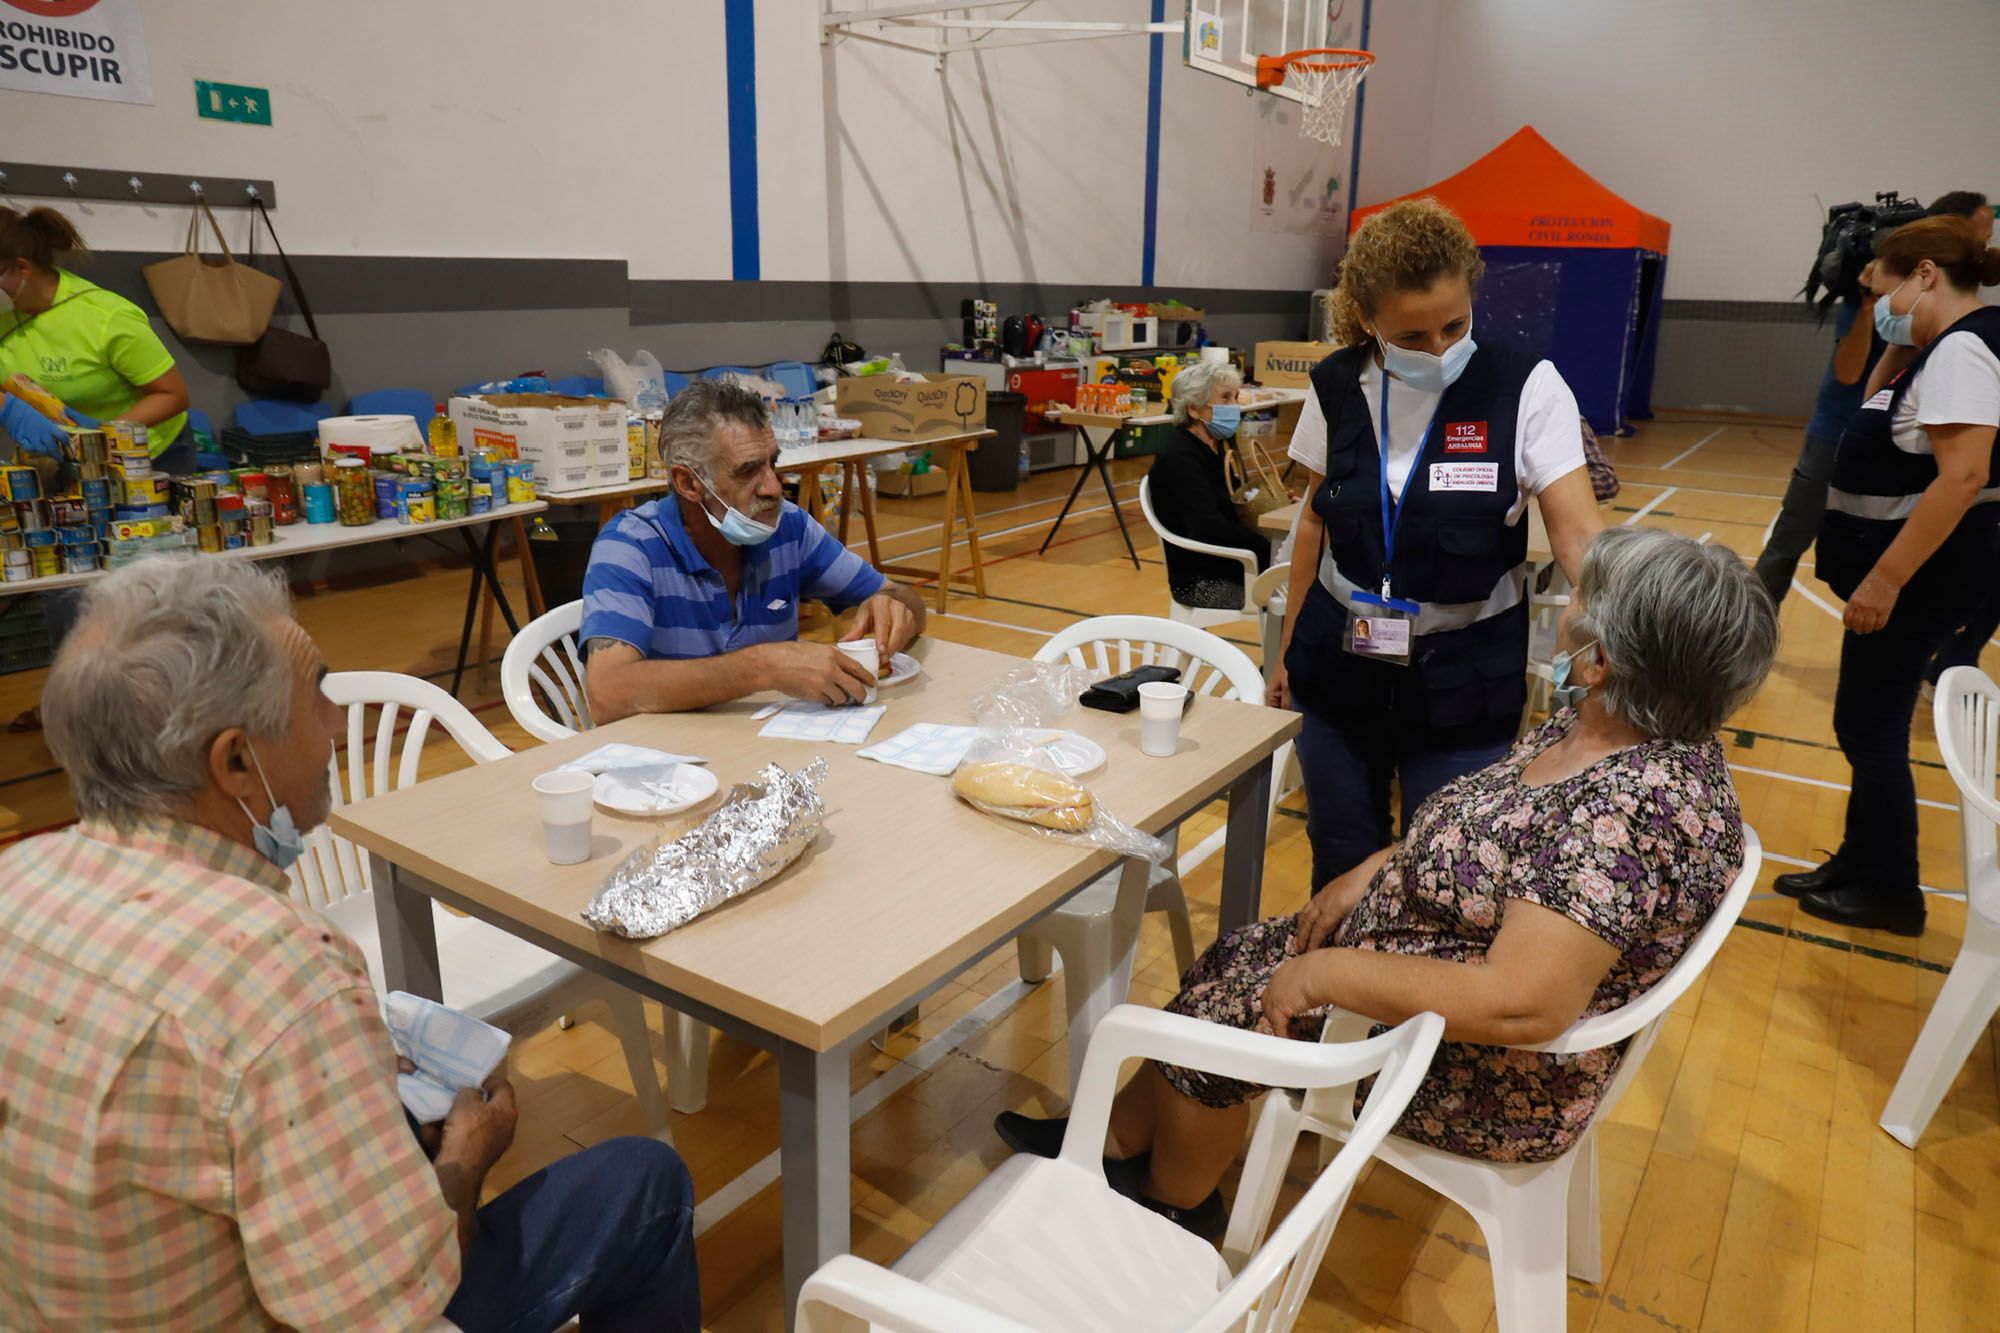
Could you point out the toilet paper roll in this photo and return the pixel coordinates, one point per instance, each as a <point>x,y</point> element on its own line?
<point>1216,355</point>
<point>375,434</point>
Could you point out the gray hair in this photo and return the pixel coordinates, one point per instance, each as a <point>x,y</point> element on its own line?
<point>1198,382</point>
<point>168,654</point>
<point>687,430</point>
<point>1687,631</point>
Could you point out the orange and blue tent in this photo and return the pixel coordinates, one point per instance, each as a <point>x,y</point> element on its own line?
<point>1573,272</point>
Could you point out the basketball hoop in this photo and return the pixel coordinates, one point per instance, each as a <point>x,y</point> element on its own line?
<point>1325,79</point>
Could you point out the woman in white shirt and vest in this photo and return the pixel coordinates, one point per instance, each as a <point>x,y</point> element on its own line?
<point>1406,629</point>
<point>1911,538</point>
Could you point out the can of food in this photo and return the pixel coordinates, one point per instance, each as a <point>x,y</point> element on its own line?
<point>47,562</point>
<point>138,492</point>
<point>416,502</point>
<point>255,485</point>
<point>80,559</point>
<point>284,496</point>
<point>88,445</point>
<point>318,502</point>
<point>308,474</point>
<point>209,538</point>
<point>454,497</point>
<point>385,494</point>
<point>233,540</point>
<point>21,483</point>
<point>32,515</point>
<point>96,493</point>
<point>480,500</point>
<point>81,534</point>
<point>354,493</point>
<point>261,532</point>
<point>67,512</point>
<point>520,483</point>
<point>17,566</point>
<point>38,538</point>
<point>13,541</point>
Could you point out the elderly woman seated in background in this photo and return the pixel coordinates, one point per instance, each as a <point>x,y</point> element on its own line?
<point>1189,495</point>
<point>1557,884</point>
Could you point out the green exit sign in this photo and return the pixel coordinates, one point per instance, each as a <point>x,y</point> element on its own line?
<point>232,101</point>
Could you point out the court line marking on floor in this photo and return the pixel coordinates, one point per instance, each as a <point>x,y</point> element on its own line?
<point>996,624</point>
<point>1690,449</point>
<point>735,1193</point>
<point>1649,506</point>
<point>1826,783</point>
<point>861,544</point>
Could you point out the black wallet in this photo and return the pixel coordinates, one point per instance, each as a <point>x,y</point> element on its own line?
<point>1120,694</point>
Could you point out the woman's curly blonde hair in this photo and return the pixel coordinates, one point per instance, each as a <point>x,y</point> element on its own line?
<point>1405,247</point>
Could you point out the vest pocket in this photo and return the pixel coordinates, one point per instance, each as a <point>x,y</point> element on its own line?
<point>1471,556</point>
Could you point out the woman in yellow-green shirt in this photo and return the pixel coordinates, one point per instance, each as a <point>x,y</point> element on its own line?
<point>91,348</point>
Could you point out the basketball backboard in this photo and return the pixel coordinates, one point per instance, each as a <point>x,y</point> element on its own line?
<point>1225,37</point>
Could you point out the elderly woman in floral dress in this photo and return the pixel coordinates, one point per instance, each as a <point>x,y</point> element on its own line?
<point>1559,883</point>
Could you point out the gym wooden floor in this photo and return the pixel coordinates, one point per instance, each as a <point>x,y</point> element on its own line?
<point>1745,1183</point>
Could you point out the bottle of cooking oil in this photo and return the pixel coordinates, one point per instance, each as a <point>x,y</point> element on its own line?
<point>444,435</point>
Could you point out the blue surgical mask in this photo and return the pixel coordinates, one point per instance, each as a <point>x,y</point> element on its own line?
<point>1223,419</point>
<point>736,527</point>
<point>279,842</point>
<point>1893,328</point>
<point>1424,372</point>
<point>1566,694</point>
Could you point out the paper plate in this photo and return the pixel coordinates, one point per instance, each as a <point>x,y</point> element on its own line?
<point>649,792</point>
<point>902,667</point>
<point>1074,753</point>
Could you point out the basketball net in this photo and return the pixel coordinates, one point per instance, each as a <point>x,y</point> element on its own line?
<point>1325,80</point>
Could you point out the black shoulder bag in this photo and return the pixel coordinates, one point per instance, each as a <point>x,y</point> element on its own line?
<point>283,364</point>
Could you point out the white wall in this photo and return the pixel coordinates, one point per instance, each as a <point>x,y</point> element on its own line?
<point>1736,120</point>
<point>394,121</point>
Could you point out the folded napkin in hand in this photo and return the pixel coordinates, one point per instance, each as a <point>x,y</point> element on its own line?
<point>450,1050</point>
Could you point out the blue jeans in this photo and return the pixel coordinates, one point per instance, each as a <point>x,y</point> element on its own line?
<point>1347,766</point>
<point>605,1235</point>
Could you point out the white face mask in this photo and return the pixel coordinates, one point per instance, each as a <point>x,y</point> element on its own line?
<point>1424,372</point>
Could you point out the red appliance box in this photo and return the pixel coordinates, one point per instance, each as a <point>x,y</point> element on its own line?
<point>1043,387</point>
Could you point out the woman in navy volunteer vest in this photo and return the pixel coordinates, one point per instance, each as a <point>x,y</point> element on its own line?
<point>1406,633</point>
<point>1911,538</point>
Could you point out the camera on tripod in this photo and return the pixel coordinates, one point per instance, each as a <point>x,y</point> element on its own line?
<point>1847,244</point>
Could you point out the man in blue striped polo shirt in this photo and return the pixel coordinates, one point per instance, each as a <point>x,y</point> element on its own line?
<point>693,599</point>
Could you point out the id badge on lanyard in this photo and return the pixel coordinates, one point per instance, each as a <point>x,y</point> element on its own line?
<point>1381,626</point>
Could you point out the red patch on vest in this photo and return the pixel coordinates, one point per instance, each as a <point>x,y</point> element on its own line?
<point>1465,437</point>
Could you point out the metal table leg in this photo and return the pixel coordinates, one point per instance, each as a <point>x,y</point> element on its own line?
<point>813,1150</point>
<point>408,931</point>
<point>1243,852</point>
<point>1089,456</point>
<point>1111,494</point>
<point>481,553</point>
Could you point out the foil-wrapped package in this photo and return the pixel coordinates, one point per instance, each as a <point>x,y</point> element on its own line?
<point>760,828</point>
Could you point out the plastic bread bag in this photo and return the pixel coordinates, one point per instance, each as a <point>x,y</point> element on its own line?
<point>1009,772</point>
<point>1033,694</point>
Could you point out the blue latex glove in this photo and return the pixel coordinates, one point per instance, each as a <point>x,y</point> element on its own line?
<point>88,423</point>
<point>31,430</point>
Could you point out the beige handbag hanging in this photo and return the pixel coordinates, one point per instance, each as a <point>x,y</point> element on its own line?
<point>1254,486</point>
<point>212,301</point>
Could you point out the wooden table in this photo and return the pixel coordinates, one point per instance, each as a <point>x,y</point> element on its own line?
<point>957,508</point>
<point>296,539</point>
<point>1097,452</point>
<point>906,887</point>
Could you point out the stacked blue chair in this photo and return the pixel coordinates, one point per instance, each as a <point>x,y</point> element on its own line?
<point>796,377</point>
<point>394,403</point>
<point>270,416</point>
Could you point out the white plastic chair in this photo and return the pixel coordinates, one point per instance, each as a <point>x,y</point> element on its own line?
<point>1967,712</point>
<point>1046,1244</point>
<point>1200,616</point>
<point>487,973</point>
<point>1087,932</point>
<point>1537,1217</point>
<point>546,658</point>
<point>1267,594</point>
<point>1548,598</point>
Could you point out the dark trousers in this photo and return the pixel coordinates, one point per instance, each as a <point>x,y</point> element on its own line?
<point>1798,517</point>
<point>1347,763</point>
<point>605,1236</point>
<point>1964,647</point>
<point>1880,675</point>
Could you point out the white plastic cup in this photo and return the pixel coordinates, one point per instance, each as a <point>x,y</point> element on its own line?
<point>869,654</point>
<point>1160,703</point>
<point>566,814</point>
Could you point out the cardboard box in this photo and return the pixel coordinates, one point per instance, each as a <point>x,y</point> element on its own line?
<point>1287,365</point>
<point>910,483</point>
<point>892,409</point>
<point>565,438</point>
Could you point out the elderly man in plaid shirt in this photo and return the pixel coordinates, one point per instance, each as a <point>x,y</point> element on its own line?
<point>199,1124</point>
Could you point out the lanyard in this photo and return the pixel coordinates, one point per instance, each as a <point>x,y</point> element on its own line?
<point>1392,509</point>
